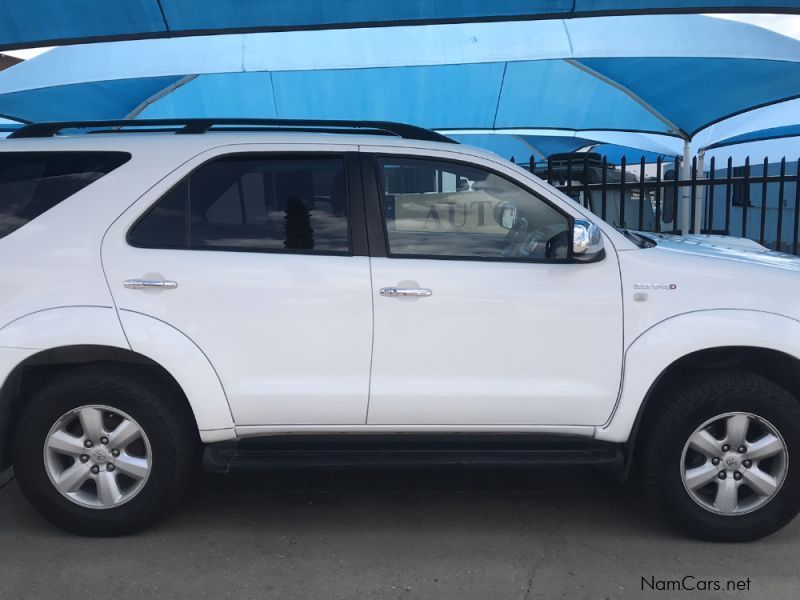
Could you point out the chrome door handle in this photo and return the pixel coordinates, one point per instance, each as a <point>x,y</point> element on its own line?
<point>143,284</point>
<point>393,292</point>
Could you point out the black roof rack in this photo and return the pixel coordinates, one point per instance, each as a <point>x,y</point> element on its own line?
<point>197,126</point>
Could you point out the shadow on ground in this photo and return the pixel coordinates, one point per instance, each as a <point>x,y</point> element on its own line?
<point>389,533</point>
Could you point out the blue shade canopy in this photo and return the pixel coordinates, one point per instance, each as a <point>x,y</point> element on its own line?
<point>762,135</point>
<point>662,74</point>
<point>29,23</point>
<point>104,96</point>
<point>540,146</point>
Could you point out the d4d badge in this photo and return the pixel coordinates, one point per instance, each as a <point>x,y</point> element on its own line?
<point>655,286</point>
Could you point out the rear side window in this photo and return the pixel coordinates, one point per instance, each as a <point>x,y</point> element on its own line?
<point>256,203</point>
<point>32,183</point>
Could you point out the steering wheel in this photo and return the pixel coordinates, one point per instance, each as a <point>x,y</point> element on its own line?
<point>531,246</point>
<point>528,246</point>
<point>516,237</point>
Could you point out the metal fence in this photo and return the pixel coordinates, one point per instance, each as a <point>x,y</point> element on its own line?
<point>758,201</point>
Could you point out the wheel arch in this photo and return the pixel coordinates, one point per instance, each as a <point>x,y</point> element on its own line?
<point>159,351</point>
<point>779,367</point>
<point>658,349</point>
<point>38,368</point>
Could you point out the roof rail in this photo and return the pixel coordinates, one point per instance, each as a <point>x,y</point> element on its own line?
<point>197,126</point>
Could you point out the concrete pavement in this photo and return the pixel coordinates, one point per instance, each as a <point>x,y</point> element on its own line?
<point>391,533</point>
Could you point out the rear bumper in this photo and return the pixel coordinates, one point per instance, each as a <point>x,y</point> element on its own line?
<point>9,359</point>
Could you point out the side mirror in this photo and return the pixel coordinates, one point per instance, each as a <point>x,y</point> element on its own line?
<point>587,242</point>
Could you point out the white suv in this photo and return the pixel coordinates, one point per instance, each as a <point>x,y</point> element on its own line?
<point>357,293</point>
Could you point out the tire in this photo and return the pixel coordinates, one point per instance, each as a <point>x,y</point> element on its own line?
<point>726,508</point>
<point>139,483</point>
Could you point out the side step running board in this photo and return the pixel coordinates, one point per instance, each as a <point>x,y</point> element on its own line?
<point>407,450</point>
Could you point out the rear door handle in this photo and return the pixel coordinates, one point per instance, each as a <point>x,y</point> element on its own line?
<point>144,284</point>
<point>393,292</point>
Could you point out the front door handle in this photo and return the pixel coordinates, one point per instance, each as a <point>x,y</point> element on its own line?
<point>393,292</point>
<point>146,284</point>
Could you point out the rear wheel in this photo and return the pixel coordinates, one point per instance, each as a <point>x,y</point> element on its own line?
<point>100,452</point>
<point>723,459</point>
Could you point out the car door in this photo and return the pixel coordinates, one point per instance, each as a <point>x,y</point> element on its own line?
<point>481,315</point>
<point>259,257</point>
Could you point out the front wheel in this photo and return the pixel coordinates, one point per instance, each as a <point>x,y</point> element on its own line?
<point>100,452</point>
<point>723,458</point>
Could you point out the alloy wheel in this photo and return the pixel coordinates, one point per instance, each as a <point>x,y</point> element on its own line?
<point>97,456</point>
<point>734,463</point>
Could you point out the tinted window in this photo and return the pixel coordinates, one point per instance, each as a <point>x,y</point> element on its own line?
<point>253,203</point>
<point>438,208</point>
<point>32,183</point>
<point>165,225</point>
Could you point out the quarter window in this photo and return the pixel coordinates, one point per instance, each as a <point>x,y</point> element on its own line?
<point>32,183</point>
<point>257,203</point>
<point>444,209</point>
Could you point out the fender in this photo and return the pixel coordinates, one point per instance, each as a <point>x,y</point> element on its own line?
<point>64,326</point>
<point>190,367</point>
<point>154,339</point>
<point>650,354</point>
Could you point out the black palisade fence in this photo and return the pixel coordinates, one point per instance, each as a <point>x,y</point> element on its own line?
<point>759,201</point>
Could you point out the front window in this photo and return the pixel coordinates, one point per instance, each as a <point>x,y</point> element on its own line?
<point>445,209</point>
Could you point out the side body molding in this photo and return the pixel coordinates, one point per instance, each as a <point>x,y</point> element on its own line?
<point>649,355</point>
<point>179,355</point>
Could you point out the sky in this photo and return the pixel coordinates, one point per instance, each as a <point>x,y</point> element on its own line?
<point>28,53</point>
<point>785,24</point>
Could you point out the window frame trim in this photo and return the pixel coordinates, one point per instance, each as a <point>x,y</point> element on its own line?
<point>354,205</point>
<point>373,195</point>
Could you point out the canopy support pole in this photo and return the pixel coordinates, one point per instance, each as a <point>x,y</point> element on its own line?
<point>686,167</point>
<point>686,193</point>
<point>158,95</point>
<point>530,146</point>
<point>672,127</point>
<point>701,192</point>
